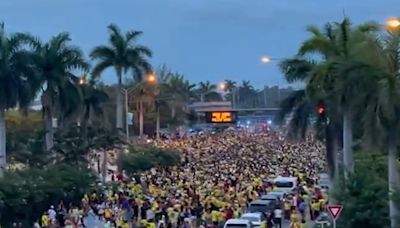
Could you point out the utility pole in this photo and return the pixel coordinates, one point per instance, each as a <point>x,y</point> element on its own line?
<point>158,121</point>
<point>265,96</point>
<point>126,114</point>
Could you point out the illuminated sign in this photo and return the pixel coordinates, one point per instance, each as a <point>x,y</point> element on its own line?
<point>221,117</point>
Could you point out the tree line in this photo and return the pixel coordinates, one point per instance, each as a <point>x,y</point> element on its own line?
<point>71,92</point>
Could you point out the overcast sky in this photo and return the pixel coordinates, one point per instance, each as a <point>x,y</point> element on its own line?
<point>202,39</point>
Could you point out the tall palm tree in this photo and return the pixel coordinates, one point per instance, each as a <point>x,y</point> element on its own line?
<point>145,94</point>
<point>207,91</point>
<point>15,81</point>
<point>179,92</point>
<point>381,112</point>
<point>247,93</point>
<point>339,44</point>
<point>300,108</point>
<point>93,101</point>
<point>230,85</point>
<point>55,61</point>
<point>124,55</point>
<point>231,88</point>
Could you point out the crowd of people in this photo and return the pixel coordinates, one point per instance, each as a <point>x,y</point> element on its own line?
<point>218,177</point>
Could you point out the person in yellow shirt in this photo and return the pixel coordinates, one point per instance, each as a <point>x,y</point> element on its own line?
<point>206,217</point>
<point>221,216</point>
<point>303,224</point>
<point>214,217</point>
<point>45,220</point>
<point>108,214</point>
<point>124,224</point>
<point>151,224</point>
<point>294,217</point>
<point>315,209</point>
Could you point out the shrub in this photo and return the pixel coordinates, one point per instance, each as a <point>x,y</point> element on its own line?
<point>364,195</point>
<point>144,158</point>
<point>26,194</point>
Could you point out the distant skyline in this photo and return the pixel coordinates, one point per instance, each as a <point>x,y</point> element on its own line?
<point>203,39</point>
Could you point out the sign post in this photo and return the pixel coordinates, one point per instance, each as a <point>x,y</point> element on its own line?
<point>334,211</point>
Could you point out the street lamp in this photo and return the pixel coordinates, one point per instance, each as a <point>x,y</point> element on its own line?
<point>392,23</point>
<point>222,86</point>
<point>151,79</point>
<point>265,59</point>
<point>81,80</point>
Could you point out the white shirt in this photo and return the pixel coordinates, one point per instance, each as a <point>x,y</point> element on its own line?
<point>52,214</point>
<point>150,214</point>
<point>278,213</point>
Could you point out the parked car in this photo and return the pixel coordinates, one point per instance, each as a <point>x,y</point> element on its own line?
<point>285,184</point>
<point>238,223</point>
<point>279,195</point>
<point>263,206</point>
<point>257,219</point>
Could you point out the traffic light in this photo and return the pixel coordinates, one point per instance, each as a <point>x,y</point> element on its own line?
<point>321,109</point>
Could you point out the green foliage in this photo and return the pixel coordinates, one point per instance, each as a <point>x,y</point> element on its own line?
<point>364,195</point>
<point>26,194</point>
<point>22,132</point>
<point>73,144</point>
<point>144,158</point>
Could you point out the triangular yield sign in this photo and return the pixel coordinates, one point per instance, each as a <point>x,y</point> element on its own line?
<point>334,210</point>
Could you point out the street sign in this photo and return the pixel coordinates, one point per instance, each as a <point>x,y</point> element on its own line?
<point>334,211</point>
<point>129,118</point>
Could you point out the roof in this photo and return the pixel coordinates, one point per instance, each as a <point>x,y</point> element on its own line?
<point>276,193</point>
<point>252,214</point>
<point>269,197</point>
<point>263,202</point>
<point>285,179</point>
<point>237,221</point>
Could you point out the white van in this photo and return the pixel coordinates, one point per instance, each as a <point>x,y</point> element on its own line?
<point>285,184</point>
<point>238,223</point>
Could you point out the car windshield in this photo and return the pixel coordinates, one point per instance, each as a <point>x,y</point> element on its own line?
<point>236,226</point>
<point>258,208</point>
<point>251,219</point>
<point>284,184</point>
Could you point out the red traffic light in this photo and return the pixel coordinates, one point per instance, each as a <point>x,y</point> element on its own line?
<point>320,109</point>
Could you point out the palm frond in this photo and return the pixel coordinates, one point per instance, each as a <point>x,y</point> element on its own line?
<point>100,67</point>
<point>296,70</point>
<point>290,103</point>
<point>102,52</point>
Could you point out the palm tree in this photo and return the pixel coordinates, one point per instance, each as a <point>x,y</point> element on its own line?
<point>300,109</point>
<point>179,92</point>
<point>230,85</point>
<point>124,54</point>
<point>15,81</point>
<point>231,88</point>
<point>207,92</point>
<point>339,44</point>
<point>54,62</point>
<point>93,101</point>
<point>145,94</point>
<point>381,112</point>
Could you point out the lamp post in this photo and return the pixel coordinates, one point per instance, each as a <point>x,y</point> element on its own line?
<point>126,93</point>
<point>151,79</point>
<point>266,59</point>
